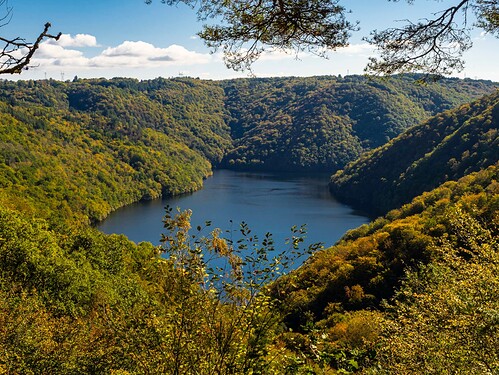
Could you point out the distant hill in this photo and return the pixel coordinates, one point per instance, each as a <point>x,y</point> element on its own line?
<point>188,110</point>
<point>323,123</point>
<point>446,147</point>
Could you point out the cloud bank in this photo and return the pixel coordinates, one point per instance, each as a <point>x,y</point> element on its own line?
<point>129,54</point>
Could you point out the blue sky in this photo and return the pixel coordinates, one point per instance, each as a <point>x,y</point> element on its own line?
<point>109,38</point>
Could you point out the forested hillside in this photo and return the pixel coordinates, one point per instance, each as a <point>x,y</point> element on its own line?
<point>96,145</point>
<point>316,123</point>
<point>322,123</point>
<point>440,252</point>
<point>190,111</point>
<point>86,148</point>
<point>445,147</point>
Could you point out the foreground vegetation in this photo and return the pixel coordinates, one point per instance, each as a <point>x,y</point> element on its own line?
<point>415,290</point>
<point>413,272</point>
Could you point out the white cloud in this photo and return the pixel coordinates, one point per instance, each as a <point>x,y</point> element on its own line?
<point>362,49</point>
<point>52,51</point>
<point>130,49</point>
<point>74,62</point>
<point>135,54</point>
<point>79,40</point>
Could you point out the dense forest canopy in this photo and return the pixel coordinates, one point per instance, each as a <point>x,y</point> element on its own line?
<point>440,252</point>
<point>322,123</point>
<point>74,300</point>
<point>96,146</point>
<point>414,291</point>
<point>99,144</point>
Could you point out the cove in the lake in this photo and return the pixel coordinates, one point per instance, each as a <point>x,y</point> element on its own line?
<point>267,202</point>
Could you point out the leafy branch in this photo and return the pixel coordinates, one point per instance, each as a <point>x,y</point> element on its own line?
<point>432,45</point>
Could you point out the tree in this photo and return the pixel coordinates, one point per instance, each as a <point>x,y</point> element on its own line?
<point>246,29</point>
<point>250,28</point>
<point>16,53</point>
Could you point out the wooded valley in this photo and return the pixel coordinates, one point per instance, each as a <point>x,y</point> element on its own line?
<point>415,291</point>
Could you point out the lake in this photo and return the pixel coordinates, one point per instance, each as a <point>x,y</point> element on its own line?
<point>267,202</point>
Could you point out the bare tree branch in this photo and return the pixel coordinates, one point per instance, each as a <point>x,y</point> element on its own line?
<point>16,54</point>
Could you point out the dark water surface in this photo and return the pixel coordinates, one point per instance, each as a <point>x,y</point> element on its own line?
<point>267,202</point>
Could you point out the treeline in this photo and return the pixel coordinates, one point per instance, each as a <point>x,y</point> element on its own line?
<point>446,147</point>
